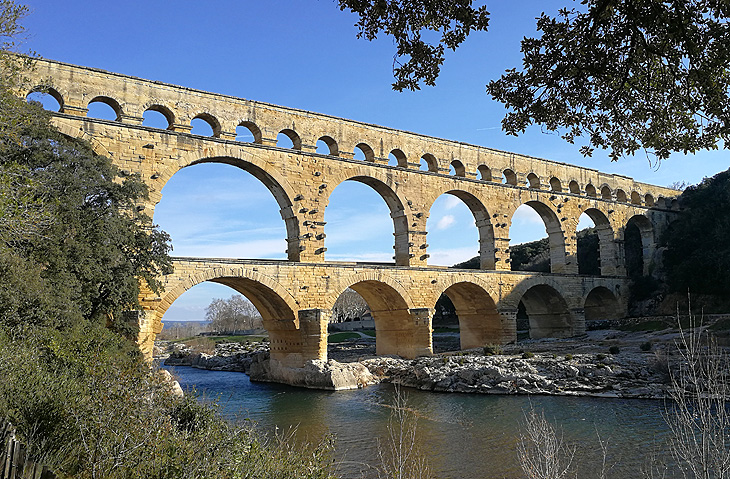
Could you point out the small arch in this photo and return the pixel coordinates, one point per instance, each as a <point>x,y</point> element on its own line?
<point>601,304</point>
<point>546,313</point>
<point>397,158</point>
<point>574,187</point>
<point>620,196</point>
<point>479,321</point>
<point>533,181</point>
<point>555,185</point>
<point>635,198</point>
<point>591,190</point>
<point>248,132</point>
<point>48,98</point>
<point>104,108</point>
<point>606,193</point>
<point>458,169</point>
<point>675,205</point>
<point>288,138</point>
<point>155,120</point>
<point>509,177</point>
<point>430,163</point>
<point>649,200</point>
<point>211,125</point>
<point>363,152</point>
<point>661,202</point>
<point>485,173</point>
<point>327,145</point>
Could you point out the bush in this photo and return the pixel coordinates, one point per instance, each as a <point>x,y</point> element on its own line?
<point>600,357</point>
<point>568,357</point>
<point>492,349</point>
<point>528,355</point>
<point>614,350</point>
<point>645,346</point>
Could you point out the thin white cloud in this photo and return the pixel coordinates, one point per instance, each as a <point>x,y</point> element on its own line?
<point>526,215</point>
<point>446,222</point>
<point>449,257</point>
<point>451,202</point>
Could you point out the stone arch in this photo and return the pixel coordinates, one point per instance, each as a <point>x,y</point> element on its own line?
<point>635,198</point>
<point>431,162</point>
<point>331,144</point>
<point>111,103</point>
<point>601,303</point>
<point>606,192</point>
<point>661,202</point>
<point>262,171</point>
<point>649,200</point>
<point>556,235</point>
<point>479,321</point>
<point>591,190</point>
<point>547,313</point>
<point>555,185</point>
<point>391,307</point>
<point>294,137</point>
<point>272,300</point>
<point>483,224</point>
<point>485,173</point>
<point>606,244</point>
<point>165,111</point>
<point>400,157</point>
<point>510,177</point>
<point>55,94</point>
<point>254,129</point>
<point>574,187</point>
<point>459,168</point>
<point>367,151</point>
<point>533,181</point>
<point>620,195</point>
<point>212,121</point>
<point>381,183</point>
<point>637,256</point>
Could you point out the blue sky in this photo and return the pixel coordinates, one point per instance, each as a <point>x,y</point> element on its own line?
<point>305,54</point>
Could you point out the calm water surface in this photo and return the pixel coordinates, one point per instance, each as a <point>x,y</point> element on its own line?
<point>464,435</point>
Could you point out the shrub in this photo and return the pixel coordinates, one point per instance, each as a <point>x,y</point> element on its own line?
<point>600,357</point>
<point>492,349</point>
<point>528,355</point>
<point>645,346</point>
<point>614,350</point>
<point>568,357</point>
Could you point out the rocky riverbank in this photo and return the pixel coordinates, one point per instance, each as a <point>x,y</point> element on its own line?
<point>532,367</point>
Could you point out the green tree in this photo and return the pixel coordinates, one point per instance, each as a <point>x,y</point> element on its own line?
<point>623,74</point>
<point>232,314</point>
<point>697,258</point>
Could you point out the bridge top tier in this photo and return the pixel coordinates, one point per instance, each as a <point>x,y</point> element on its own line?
<point>75,87</point>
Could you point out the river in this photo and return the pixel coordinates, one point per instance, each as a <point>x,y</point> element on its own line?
<point>463,435</point>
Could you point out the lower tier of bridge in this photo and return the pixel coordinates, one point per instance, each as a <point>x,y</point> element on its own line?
<point>296,300</point>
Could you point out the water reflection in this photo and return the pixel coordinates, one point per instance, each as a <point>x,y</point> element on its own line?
<point>464,436</point>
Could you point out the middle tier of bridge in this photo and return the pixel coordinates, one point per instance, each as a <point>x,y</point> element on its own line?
<point>296,300</point>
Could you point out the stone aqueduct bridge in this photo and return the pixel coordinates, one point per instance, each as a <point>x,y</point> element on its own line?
<point>296,296</point>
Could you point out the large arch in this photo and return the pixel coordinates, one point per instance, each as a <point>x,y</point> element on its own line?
<point>606,244</point>
<point>556,235</point>
<point>638,236</point>
<point>275,304</point>
<point>399,330</point>
<point>483,224</point>
<point>262,171</point>
<point>547,313</point>
<point>396,206</point>
<point>601,303</point>
<point>479,321</point>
